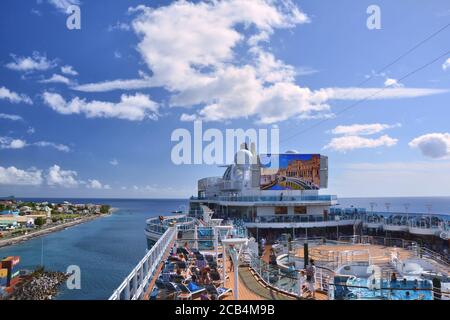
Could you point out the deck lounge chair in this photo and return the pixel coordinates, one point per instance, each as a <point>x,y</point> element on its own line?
<point>176,278</point>
<point>196,290</point>
<point>210,259</point>
<point>219,292</point>
<point>172,289</point>
<point>161,286</point>
<point>154,294</point>
<point>200,263</point>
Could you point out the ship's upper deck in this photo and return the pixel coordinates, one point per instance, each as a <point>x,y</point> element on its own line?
<point>261,200</point>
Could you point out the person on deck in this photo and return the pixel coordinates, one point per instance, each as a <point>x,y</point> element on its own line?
<point>393,277</point>
<point>263,244</point>
<point>311,277</point>
<point>301,281</point>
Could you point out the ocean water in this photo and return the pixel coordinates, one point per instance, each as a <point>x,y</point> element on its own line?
<point>107,249</point>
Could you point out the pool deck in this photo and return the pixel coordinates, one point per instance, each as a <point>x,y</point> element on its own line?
<point>380,255</point>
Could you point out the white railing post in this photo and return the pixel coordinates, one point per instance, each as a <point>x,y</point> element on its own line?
<point>135,284</point>
<point>127,290</point>
<point>196,237</point>
<point>321,279</point>
<point>216,242</point>
<point>224,262</point>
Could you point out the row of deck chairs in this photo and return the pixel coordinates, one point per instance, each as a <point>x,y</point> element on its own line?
<point>174,286</point>
<point>178,290</point>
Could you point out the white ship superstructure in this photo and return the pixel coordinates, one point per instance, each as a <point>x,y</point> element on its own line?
<point>288,200</point>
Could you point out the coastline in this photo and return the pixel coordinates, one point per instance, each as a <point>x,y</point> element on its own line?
<point>43,232</point>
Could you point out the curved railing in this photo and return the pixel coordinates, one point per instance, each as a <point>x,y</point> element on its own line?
<point>183,222</point>
<point>286,198</point>
<point>135,284</point>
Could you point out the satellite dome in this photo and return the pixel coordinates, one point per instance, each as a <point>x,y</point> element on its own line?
<point>292,152</point>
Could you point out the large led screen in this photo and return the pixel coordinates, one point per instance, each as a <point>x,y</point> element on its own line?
<point>290,172</point>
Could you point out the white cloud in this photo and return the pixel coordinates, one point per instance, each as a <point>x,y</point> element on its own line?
<point>36,12</point>
<point>57,78</point>
<point>122,26</point>
<point>53,177</point>
<point>348,143</point>
<point>9,143</point>
<point>17,144</point>
<point>11,117</point>
<point>433,145</point>
<point>62,5</point>
<point>17,177</point>
<point>62,178</point>
<point>36,62</point>
<point>133,84</point>
<point>14,97</point>
<point>68,70</point>
<point>446,64</point>
<point>188,117</point>
<point>210,34</point>
<point>131,107</point>
<point>305,71</point>
<point>59,147</point>
<point>354,93</point>
<point>114,162</point>
<point>362,129</point>
<point>390,82</point>
<point>94,184</point>
<point>271,70</point>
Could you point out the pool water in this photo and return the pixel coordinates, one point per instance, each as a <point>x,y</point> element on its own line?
<point>402,290</point>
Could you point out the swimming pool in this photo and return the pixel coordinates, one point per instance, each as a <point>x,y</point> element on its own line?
<point>357,288</point>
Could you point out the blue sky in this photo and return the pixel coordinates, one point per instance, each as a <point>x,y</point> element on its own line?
<point>90,112</point>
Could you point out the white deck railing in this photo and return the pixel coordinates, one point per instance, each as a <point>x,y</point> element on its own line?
<point>135,284</point>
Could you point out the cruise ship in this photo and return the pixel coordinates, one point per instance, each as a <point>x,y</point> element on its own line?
<point>256,229</point>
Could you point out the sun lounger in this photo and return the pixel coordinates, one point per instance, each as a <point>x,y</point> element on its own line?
<point>219,292</point>
<point>191,293</point>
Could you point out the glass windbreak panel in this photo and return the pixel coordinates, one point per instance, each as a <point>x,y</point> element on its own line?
<point>352,288</point>
<point>281,210</point>
<point>300,210</point>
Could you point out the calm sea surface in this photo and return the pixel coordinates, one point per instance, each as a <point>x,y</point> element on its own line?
<point>108,248</point>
